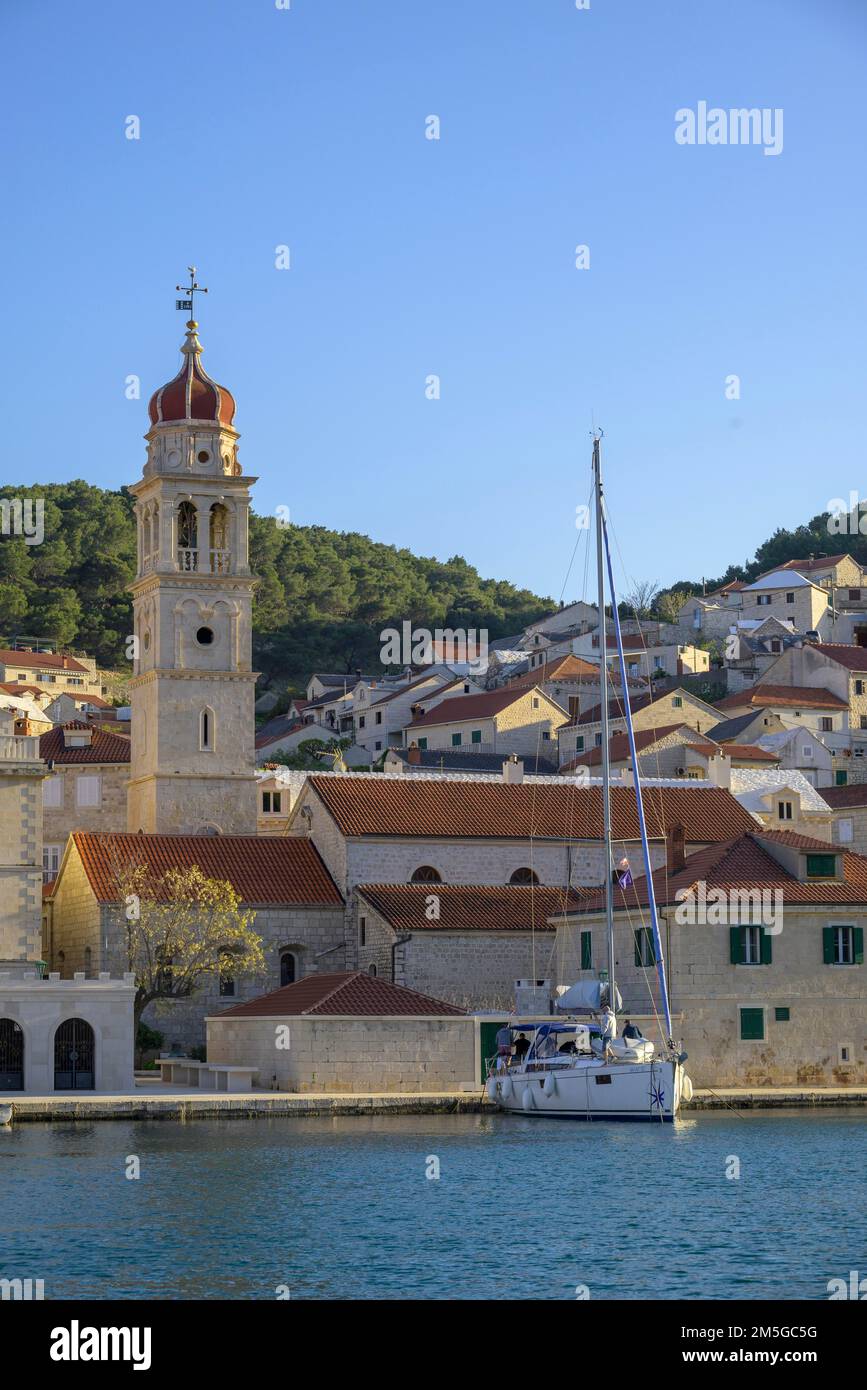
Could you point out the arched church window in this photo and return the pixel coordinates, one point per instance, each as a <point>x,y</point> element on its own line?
<point>219,538</point>
<point>206,730</point>
<point>146,536</point>
<point>188,537</point>
<point>288,968</point>
<point>425,873</point>
<point>524,876</point>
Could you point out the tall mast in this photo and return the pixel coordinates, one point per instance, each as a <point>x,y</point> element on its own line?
<point>603,678</point>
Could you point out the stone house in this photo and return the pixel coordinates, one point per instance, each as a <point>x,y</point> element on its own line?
<point>571,682</point>
<point>55,1035</point>
<point>797,750</point>
<point>85,789</point>
<point>649,711</point>
<point>380,715</point>
<point>495,721</point>
<point>299,912</point>
<point>55,672</point>
<point>819,710</point>
<point>662,752</point>
<point>849,811</point>
<point>769,992</point>
<point>465,943</point>
<point>644,658</point>
<point>349,1032</point>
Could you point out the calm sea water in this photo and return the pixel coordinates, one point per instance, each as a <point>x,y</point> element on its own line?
<point>342,1208</point>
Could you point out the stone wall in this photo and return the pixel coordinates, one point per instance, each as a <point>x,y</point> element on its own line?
<point>827,1003</point>
<point>59,822</point>
<point>350,1054</point>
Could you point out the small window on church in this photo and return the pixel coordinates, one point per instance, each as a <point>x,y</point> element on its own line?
<point>205,636</point>
<point>203,456</point>
<point>206,730</point>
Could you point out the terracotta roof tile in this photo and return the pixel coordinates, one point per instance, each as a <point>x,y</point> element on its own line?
<point>261,869</point>
<point>103,747</point>
<point>471,907</point>
<point>45,661</point>
<point>464,707</point>
<point>343,994</point>
<point>418,808</point>
<point>744,863</point>
<point>852,657</point>
<point>791,696</point>
<point>840,797</point>
<point>618,745</point>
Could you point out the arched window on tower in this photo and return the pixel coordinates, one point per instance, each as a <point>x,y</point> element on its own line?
<point>188,537</point>
<point>145,537</point>
<point>219,539</point>
<point>206,730</point>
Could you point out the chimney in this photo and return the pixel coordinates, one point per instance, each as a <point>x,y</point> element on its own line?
<point>675,854</point>
<point>719,769</point>
<point>413,755</point>
<point>513,770</point>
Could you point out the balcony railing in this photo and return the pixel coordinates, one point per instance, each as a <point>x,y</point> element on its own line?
<point>17,748</point>
<point>221,561</point>
<point>188,561</point>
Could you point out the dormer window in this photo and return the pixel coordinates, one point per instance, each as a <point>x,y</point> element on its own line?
<point>821,866</point>
<point>784,810</point>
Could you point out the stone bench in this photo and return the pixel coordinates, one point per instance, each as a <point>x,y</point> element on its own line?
<point>207,1076</point>
<point>179,1071</point>
<point>217,1076</point>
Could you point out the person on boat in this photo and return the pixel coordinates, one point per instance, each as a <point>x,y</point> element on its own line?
<point>504,1047</point>
<point>631,1030</point>
<point>608,1025</point>
<point>522,1047</point>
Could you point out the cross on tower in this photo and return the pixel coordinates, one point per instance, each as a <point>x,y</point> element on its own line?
<point>191,289</point>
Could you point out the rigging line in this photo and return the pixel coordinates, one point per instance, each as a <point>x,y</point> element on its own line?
<point>645,846</point>
<point>660,808</point>
<point>575,551</point>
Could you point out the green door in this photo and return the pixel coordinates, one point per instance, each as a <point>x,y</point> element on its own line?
<point>488,1043</point>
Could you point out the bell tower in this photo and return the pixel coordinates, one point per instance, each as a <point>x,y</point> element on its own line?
<point>192,688</point>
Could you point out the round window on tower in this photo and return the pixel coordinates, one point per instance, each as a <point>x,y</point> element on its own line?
<point>203,456</point>
<point>205,636</point>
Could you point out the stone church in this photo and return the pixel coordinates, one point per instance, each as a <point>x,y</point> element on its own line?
<point>192,772</point>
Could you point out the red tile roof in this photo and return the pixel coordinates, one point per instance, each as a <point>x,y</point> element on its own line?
<point>565,668</point>
<point>343,994</point>
<point>839,797</point>
<point>744,863</point>
<point>852,657</point>
<point>18,688</point>
<point>103,747</point>
<point>468,907</point>
<point>823,562</point>
<point>791,696</point>
<point>468,707</point>
<point>618,745</point>
<point>418,808</point>
<point>615,709</point>
<point>44,661</point>
<point>261,869</point>
<point>738,752</point>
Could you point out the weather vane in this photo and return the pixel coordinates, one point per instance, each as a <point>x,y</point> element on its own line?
<point>191,289</point>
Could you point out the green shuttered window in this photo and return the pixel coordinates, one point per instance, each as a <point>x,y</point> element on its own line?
<point>752,1025</point>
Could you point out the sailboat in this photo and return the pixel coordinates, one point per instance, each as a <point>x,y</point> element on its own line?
<point>570,1068</point>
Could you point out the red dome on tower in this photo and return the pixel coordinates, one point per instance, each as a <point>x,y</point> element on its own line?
<point>192,395</point>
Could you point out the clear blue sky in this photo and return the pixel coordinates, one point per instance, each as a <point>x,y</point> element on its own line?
<point>261,127</point>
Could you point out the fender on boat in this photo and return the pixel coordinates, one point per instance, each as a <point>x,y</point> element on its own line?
<point>491,1088</point>
<point>528,1100</point>
<point>685,1088</point>
<point>550,1087</point>
<point>506,1088</point>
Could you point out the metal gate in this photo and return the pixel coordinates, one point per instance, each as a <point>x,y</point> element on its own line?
<point>73,1056</point>
<point>11,1056</point>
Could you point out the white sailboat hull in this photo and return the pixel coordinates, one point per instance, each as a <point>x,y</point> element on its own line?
<point>592,1090</point>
